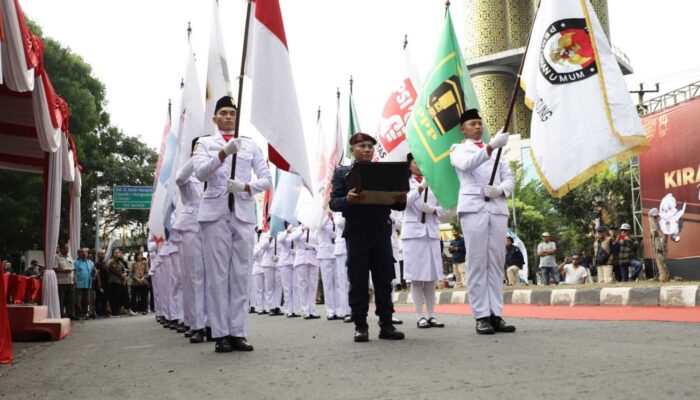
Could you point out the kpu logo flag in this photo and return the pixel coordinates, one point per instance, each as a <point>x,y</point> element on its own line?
<point>582,115</point>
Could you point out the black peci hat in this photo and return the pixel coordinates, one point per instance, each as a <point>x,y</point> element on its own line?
<point>226,101</point>
<point>472,113</point>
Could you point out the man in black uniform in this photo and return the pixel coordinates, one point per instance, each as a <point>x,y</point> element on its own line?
<point>367,235</point>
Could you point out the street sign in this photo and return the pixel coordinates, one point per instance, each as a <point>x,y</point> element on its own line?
<point>132,197</point>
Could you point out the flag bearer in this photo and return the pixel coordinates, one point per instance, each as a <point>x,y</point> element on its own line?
<point>340,251</point>
<point>285,265</point>
<point>273,280</point>
<point>483,214</point>
<point>228,235</point>
<point>306,269</point>
<point>326,259</point>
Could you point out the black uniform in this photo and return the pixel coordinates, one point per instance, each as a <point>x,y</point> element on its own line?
<point>367,235</point>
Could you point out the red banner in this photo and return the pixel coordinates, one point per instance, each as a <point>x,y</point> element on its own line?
<point>671,168</point>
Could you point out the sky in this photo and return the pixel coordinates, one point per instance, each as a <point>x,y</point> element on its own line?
<point>139,48</point>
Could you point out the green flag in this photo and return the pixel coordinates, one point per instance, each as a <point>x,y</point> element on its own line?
<point>353,125</point>
<point>434,123</point>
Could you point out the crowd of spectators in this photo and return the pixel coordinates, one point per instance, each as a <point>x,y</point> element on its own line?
<point>97,289</point>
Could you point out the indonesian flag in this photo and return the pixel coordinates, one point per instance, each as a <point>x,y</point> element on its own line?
<point>582,115</point>
<point>275,109</point>
<point>391,132</point>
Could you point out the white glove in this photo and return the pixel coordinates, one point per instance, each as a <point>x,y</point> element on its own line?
<point>425,207</point>
<point>492,191</point>
<point>235,186</point>
<point>424,183</point>
<point>500,140</point>
<point>231,147</point>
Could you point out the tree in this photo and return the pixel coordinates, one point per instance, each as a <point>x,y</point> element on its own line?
<point>108,157</point>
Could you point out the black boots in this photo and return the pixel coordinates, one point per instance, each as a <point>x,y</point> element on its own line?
<point>484,327</point>
<point>228,344</point>
<point>499,325</point>
<point>198,336</point>
<point>361,329</point>
<point>387,330</point>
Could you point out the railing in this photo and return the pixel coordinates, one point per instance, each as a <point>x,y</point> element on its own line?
<point>620,55</point>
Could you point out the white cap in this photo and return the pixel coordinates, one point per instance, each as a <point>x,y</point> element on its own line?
<point>545,234</point>
<point>625,227</point>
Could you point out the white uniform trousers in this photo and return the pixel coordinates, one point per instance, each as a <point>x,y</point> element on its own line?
<point>331,287</point>
<point>273,287</point>
<point>307,279</point>
<point>155,284</point>
<point>341,276</point>
<point>228,254</point>
<point>290,289</point>
<point>193,286</point>
<point>259,292</point>
<point>176,287</point>
<point>165,268</point>
<point>484,234</point>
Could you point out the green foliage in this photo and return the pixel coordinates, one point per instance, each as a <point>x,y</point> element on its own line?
<point>108,156</point>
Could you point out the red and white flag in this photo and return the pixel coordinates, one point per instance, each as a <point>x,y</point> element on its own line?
<point>275,109</point>
<point>391,133</point>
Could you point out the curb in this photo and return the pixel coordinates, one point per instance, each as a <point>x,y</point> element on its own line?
<point>665,296</point>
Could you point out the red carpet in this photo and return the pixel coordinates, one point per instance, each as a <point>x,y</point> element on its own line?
<point>591,313</point>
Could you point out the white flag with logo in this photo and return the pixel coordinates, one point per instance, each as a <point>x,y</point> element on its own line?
<point>582,115</point>
<point>218,81</point>
<point>391,133</point>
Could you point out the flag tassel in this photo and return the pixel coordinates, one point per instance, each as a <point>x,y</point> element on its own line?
<point>513,99</point>
<point>240,95</point>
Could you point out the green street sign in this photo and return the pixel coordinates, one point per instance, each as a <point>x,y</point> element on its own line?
<point>132,197</point>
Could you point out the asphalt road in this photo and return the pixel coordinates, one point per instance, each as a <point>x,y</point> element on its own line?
<point>134,357</point>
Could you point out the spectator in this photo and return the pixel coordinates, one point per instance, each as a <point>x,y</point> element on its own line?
<point>587,263</point>
<point>548,263</point>
<point>514,262</point>
<point>603,256</point>
<point>626,246</point>
<point>65,275</point>
<point>574,273</point>
<point>84,270</point>
<point>101,285</point>
<point>458,252</point>
<point>7,267</point>
<point>33,270</point>
<point>615,252</point>
<point>117,282</point>
<point>139,284</point>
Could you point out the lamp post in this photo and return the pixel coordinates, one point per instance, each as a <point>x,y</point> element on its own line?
<point>598,203</point>
<point>97,213</point>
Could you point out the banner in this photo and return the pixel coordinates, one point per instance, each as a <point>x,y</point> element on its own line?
<point>218,80</point>
<point>434,124</point>
<point>391,133</point>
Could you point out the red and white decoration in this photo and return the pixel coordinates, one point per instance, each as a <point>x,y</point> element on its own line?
<point>34,134</point>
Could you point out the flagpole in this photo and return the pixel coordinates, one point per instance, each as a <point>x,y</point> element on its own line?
<point>240,95</point>
<point>513,99</point>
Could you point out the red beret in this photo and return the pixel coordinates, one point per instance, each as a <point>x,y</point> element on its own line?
<point>361,137</point>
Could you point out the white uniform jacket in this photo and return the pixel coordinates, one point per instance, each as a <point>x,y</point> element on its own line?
<point>208,168</point>
<point>412,227</point>
<point>340,248</point>
<point>284,249</point>
<point>267,248</point>
<point>474,166</point>
<point>257,257</point>
<point>304,250</point>
<point>190,195</point>
<point>325,245</point>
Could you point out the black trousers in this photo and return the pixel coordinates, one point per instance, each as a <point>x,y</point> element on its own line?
<point>101,299</point>
<point>66,300</point>
<point>139,298</point>
<point>116,297</point>
<point>369,249</point>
